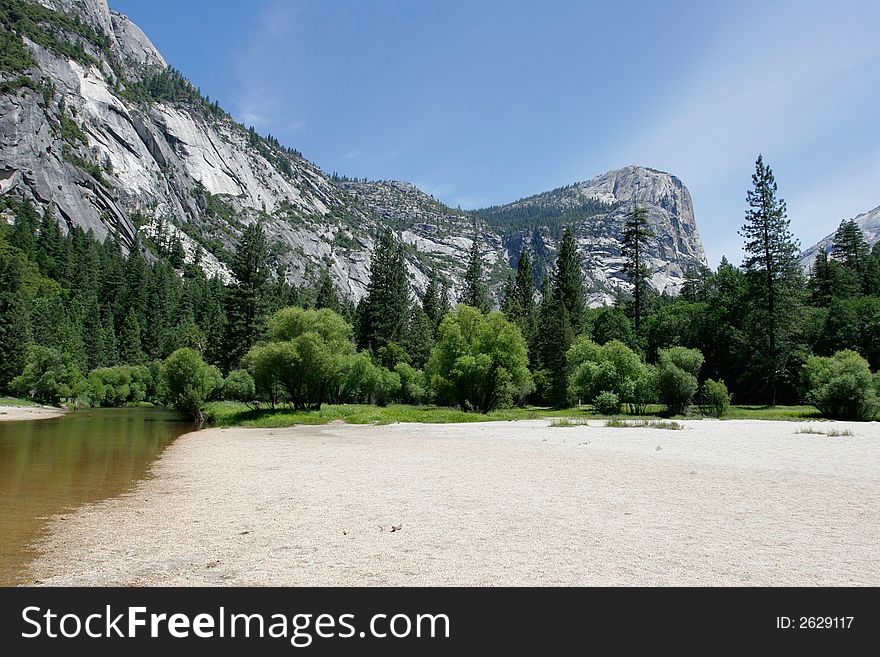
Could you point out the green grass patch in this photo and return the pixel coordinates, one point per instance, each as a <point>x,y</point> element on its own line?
<point>14,401</point>
<point>569,422</point>
<point>227,414</point>
<point>773,413</point>
<point>831,433</point>
<point>620,423</point>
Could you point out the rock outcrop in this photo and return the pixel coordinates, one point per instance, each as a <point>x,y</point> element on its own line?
<point>868,221</point>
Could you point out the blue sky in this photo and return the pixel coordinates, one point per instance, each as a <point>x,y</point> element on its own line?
<point>482,102</point>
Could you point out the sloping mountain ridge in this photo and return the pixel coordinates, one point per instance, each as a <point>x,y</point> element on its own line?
<point>99,129</point>
<point>868,221</point>
<point>596,209</point>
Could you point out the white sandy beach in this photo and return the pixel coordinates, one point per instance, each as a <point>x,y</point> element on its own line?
<point>503,503</point>
<point>13,413</point>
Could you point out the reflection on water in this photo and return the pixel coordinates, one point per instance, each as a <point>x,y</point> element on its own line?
<point>52,466</point>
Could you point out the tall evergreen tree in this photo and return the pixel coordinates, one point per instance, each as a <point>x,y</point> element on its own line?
<point>431,300</point>
<point>507,294</point>
<point>852,251</point>
<point>129,343</point>
<point>568,282</point>
<point>14,329</point>
<point>821,280</point>
<point>445,305</point>
<point>326,296</point>
<point>385,310</point>
<point>23,235</point>
<point>133,296</point>
<point>50,246</point>
<point>520,304</point>
<point>474,292</point>
<point>418,336</point>
<point>93,333</point>
<point>110,355</point>
<point>636,233</point>
<point>524,284</point>
<point>771,264</point>
<point>246,300</point>
<point>555,337</point>
<point>696,284</point>
<point>211,318</point>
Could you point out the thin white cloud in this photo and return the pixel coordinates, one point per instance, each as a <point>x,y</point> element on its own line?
<point>436,190</point>
<point>467,202</point>
<point>261,101</point>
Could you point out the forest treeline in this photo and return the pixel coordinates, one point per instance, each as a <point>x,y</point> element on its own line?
<point>94,323</point>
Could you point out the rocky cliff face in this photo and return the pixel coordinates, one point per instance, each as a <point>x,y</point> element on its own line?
<point>98,129</point>
<point>596,209</point>
<point>868,221</point>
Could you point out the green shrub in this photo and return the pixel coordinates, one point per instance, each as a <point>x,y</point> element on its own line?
<point>841,386</point>
<point>387,386</point>
<point>607,403</point>
<point>412,384</point>
<point>49,376</point>
<point>479,361</point>
<point>117,386</point>
<point>611,367</point>
<point>714,398</point>
<point>188,382</point>
<point>309,360</point>
<point>239,386</point>
<point>358,380</point>
<point>677,371</point>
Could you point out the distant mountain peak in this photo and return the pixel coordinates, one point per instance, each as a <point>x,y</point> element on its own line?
<point>868,221</point>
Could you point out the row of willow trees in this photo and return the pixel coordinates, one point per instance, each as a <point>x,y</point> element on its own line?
<point>91,306</point>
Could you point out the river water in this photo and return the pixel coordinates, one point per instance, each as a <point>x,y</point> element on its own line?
<point>50,467</point>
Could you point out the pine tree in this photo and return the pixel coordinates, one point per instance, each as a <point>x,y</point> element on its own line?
<point>771,264</point>
<point>129,343</point>
<point>821,282</point>
<point>696,284</point>
<point>418,337</point>
<point>23,235</point>
<point>474,292</point>
<point>113,279</point>
<point>50,246</point>
<point>133,295</point>
<point>247,303</point>
<point>568,282</point>
<point>524,286</point>
<point>110,355</point>
<point>431,300</point>
<point>14,329</point>
<point>92,333</point>
<point>326,296</point>
<point>555,337</point>
<point>520,301</point>
<point>212,320</point>
<point>444,305</point>
<point>851,250</point>
<point>636,233</point>
<point>176,252</point>
<point>507,294</point>
<point>385,309</point>
<point>872,272</point>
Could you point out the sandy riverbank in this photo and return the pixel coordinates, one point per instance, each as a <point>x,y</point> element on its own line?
<point>13,413</point>
<point>719,503</point>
